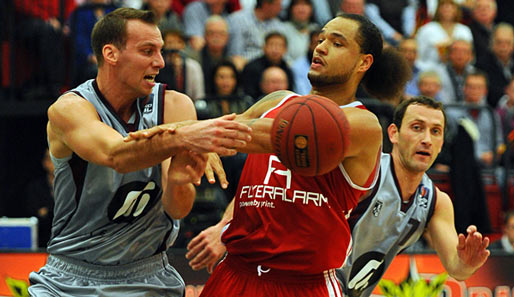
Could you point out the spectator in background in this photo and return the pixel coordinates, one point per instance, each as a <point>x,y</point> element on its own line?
<point>273,79</point>
<point>481,25</point>
<point>409,49</point>
<point>38,200</point>
<point>453,72</point>
<point>435,36</point>
<point>81,23</point>
<point>39,30</point>
<point>195,15</point>
<point>180,72</point>
<point>429,84</point>
<point>475,93</point>
<point>498,63</point>
<point>249,27</point>
<point>215,49</point>
<point>321,14</point>
<point>506,243</point>
<point>396,19</point>
<point>275,49</point>
<point>167,18</point>
<point>353,6</point>
<point>301,67</point>
<point>505,110</point>
<point>297,28</point>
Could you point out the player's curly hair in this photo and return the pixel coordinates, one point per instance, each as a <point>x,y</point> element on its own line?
<point>387,76</point>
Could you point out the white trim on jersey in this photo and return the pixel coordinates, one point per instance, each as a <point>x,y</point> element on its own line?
<point>357,187</point>
<point>279,104</point>
<point>332,285</point>
<point>352,104</point>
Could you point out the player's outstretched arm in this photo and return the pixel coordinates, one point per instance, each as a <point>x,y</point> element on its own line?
<point>461,254</point>
<point>206,249</point>
<point>74,126</point>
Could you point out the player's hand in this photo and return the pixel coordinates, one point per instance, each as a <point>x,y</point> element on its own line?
<point>472,249</point>
<point>215,166</point>
<point>206,249</point>
<point>187,167</point>
<point>149,133</point>
<point>221,135</point>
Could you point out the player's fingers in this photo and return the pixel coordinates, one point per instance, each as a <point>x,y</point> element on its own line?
<point>462,241</point>
<point>217,167</point>
<point>209,173</point>
<point>194,247</point>
<point>200,258</point>
<point>210,267</point>
<point>471,229</point>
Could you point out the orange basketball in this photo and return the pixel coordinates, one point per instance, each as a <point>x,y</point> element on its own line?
<point>309,135</point>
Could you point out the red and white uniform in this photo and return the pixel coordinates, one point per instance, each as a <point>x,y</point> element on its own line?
<point>291,226</point>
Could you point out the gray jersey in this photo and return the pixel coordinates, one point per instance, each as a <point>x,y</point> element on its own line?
<point>382,226</point>
<point>105,217</point>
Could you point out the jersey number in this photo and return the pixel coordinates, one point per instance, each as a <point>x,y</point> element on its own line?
<point>133,200</point>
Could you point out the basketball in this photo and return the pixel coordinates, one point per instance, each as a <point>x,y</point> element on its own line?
<point>309,135</point>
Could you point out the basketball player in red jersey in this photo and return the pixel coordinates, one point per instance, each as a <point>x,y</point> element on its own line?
<point>289,232</point>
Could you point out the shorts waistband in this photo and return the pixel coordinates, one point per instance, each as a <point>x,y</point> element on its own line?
<point>123,271</point>
<point>272,274</point>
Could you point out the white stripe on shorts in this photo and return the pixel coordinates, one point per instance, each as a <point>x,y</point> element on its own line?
<point>332,286</point>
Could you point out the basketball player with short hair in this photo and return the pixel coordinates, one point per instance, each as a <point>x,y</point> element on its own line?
<point>291,242</point>
<point>402,206</point>
<point>118,204</point>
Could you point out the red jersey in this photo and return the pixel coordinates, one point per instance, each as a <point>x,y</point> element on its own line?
<point>290,222</point>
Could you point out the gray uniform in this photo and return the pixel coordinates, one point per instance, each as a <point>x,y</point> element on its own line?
<point>382,226</point>
<point>107,223</point>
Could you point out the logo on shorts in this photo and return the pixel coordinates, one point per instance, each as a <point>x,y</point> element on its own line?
<point>260,271</point>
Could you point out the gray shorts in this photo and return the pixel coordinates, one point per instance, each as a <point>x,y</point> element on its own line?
<point>63,277</point>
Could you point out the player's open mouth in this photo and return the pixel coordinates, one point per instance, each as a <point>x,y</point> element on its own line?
<point>150,78</point>
<point>423,153</point>
<point>317,60</point>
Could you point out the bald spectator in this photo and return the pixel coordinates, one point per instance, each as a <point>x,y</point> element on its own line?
<point>498,63</point>
<point>275,48</point>
<point>481,25</point>
<point>273,79</point>
<point>249,27</point>
<point>215,49</point>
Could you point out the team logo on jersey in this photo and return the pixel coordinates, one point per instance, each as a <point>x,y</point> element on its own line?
<point>133,200</point>
<point>149,106</point>
<point>423,193</point>
<point>377,208</point>
<point>366,271</point>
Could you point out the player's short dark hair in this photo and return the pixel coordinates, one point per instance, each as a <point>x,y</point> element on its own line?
<point>390,71</point>
<point>112,29</point>
<point>399,111</point>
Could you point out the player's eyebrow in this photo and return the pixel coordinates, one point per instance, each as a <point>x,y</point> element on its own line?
<point>335,35</point>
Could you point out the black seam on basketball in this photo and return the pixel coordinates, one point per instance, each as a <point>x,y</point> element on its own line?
<point>290,158</point>
<point>315,140</point>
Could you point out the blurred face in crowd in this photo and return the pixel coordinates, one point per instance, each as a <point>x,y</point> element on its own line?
<point>475,89</point>
<point>409,49</point>
<point>460,54</point>
<point>420,137</point>
<point>353,6</point>
<point>429,86</point>
<point>159,6</point>
<point>271,9</point>
<point>301,11</point>
<point>503,43</point>
<point>275,48</point>
<point>447,12</point>
<point>273,79</point>
<point>484,11</point>
<point>509,91</point>
<point>173,41</point>
<point>216,35</point>
<point>225,80</point>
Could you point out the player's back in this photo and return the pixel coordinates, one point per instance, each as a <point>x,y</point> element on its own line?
<point>287,222</point>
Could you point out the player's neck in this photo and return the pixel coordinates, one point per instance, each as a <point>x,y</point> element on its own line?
<point>336,93</point>
<point>407,179</point>
<point>116,95</point>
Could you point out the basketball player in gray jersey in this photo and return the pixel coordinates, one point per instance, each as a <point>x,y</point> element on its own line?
<point>397,212</point>
<point>406,204</point>
<point>117,203</point>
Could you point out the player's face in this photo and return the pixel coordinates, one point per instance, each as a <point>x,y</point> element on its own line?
<point>337,54</point>
<point>139,62</point>
<point>420,137</point>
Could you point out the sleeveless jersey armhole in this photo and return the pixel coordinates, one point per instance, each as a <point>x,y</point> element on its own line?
<point>372,179</point>
<point>282,102</point>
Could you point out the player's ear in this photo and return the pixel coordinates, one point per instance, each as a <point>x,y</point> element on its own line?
<point>366,62</point>
<point>392,132</point>
<point>110,53</point>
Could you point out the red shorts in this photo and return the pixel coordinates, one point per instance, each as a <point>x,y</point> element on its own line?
<point>232,278</point>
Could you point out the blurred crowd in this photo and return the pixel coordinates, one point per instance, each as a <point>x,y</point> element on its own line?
<point>227,54</point>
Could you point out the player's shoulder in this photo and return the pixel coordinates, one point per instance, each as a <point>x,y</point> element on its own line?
<point>178,107</point>
<point>443,200</point>
<point>68,101</point>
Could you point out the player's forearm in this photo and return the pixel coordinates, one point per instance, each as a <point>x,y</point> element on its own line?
<point>458,269</point>
<point>178,200</point>
<point>261,139</point>
<point>228,214</point>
